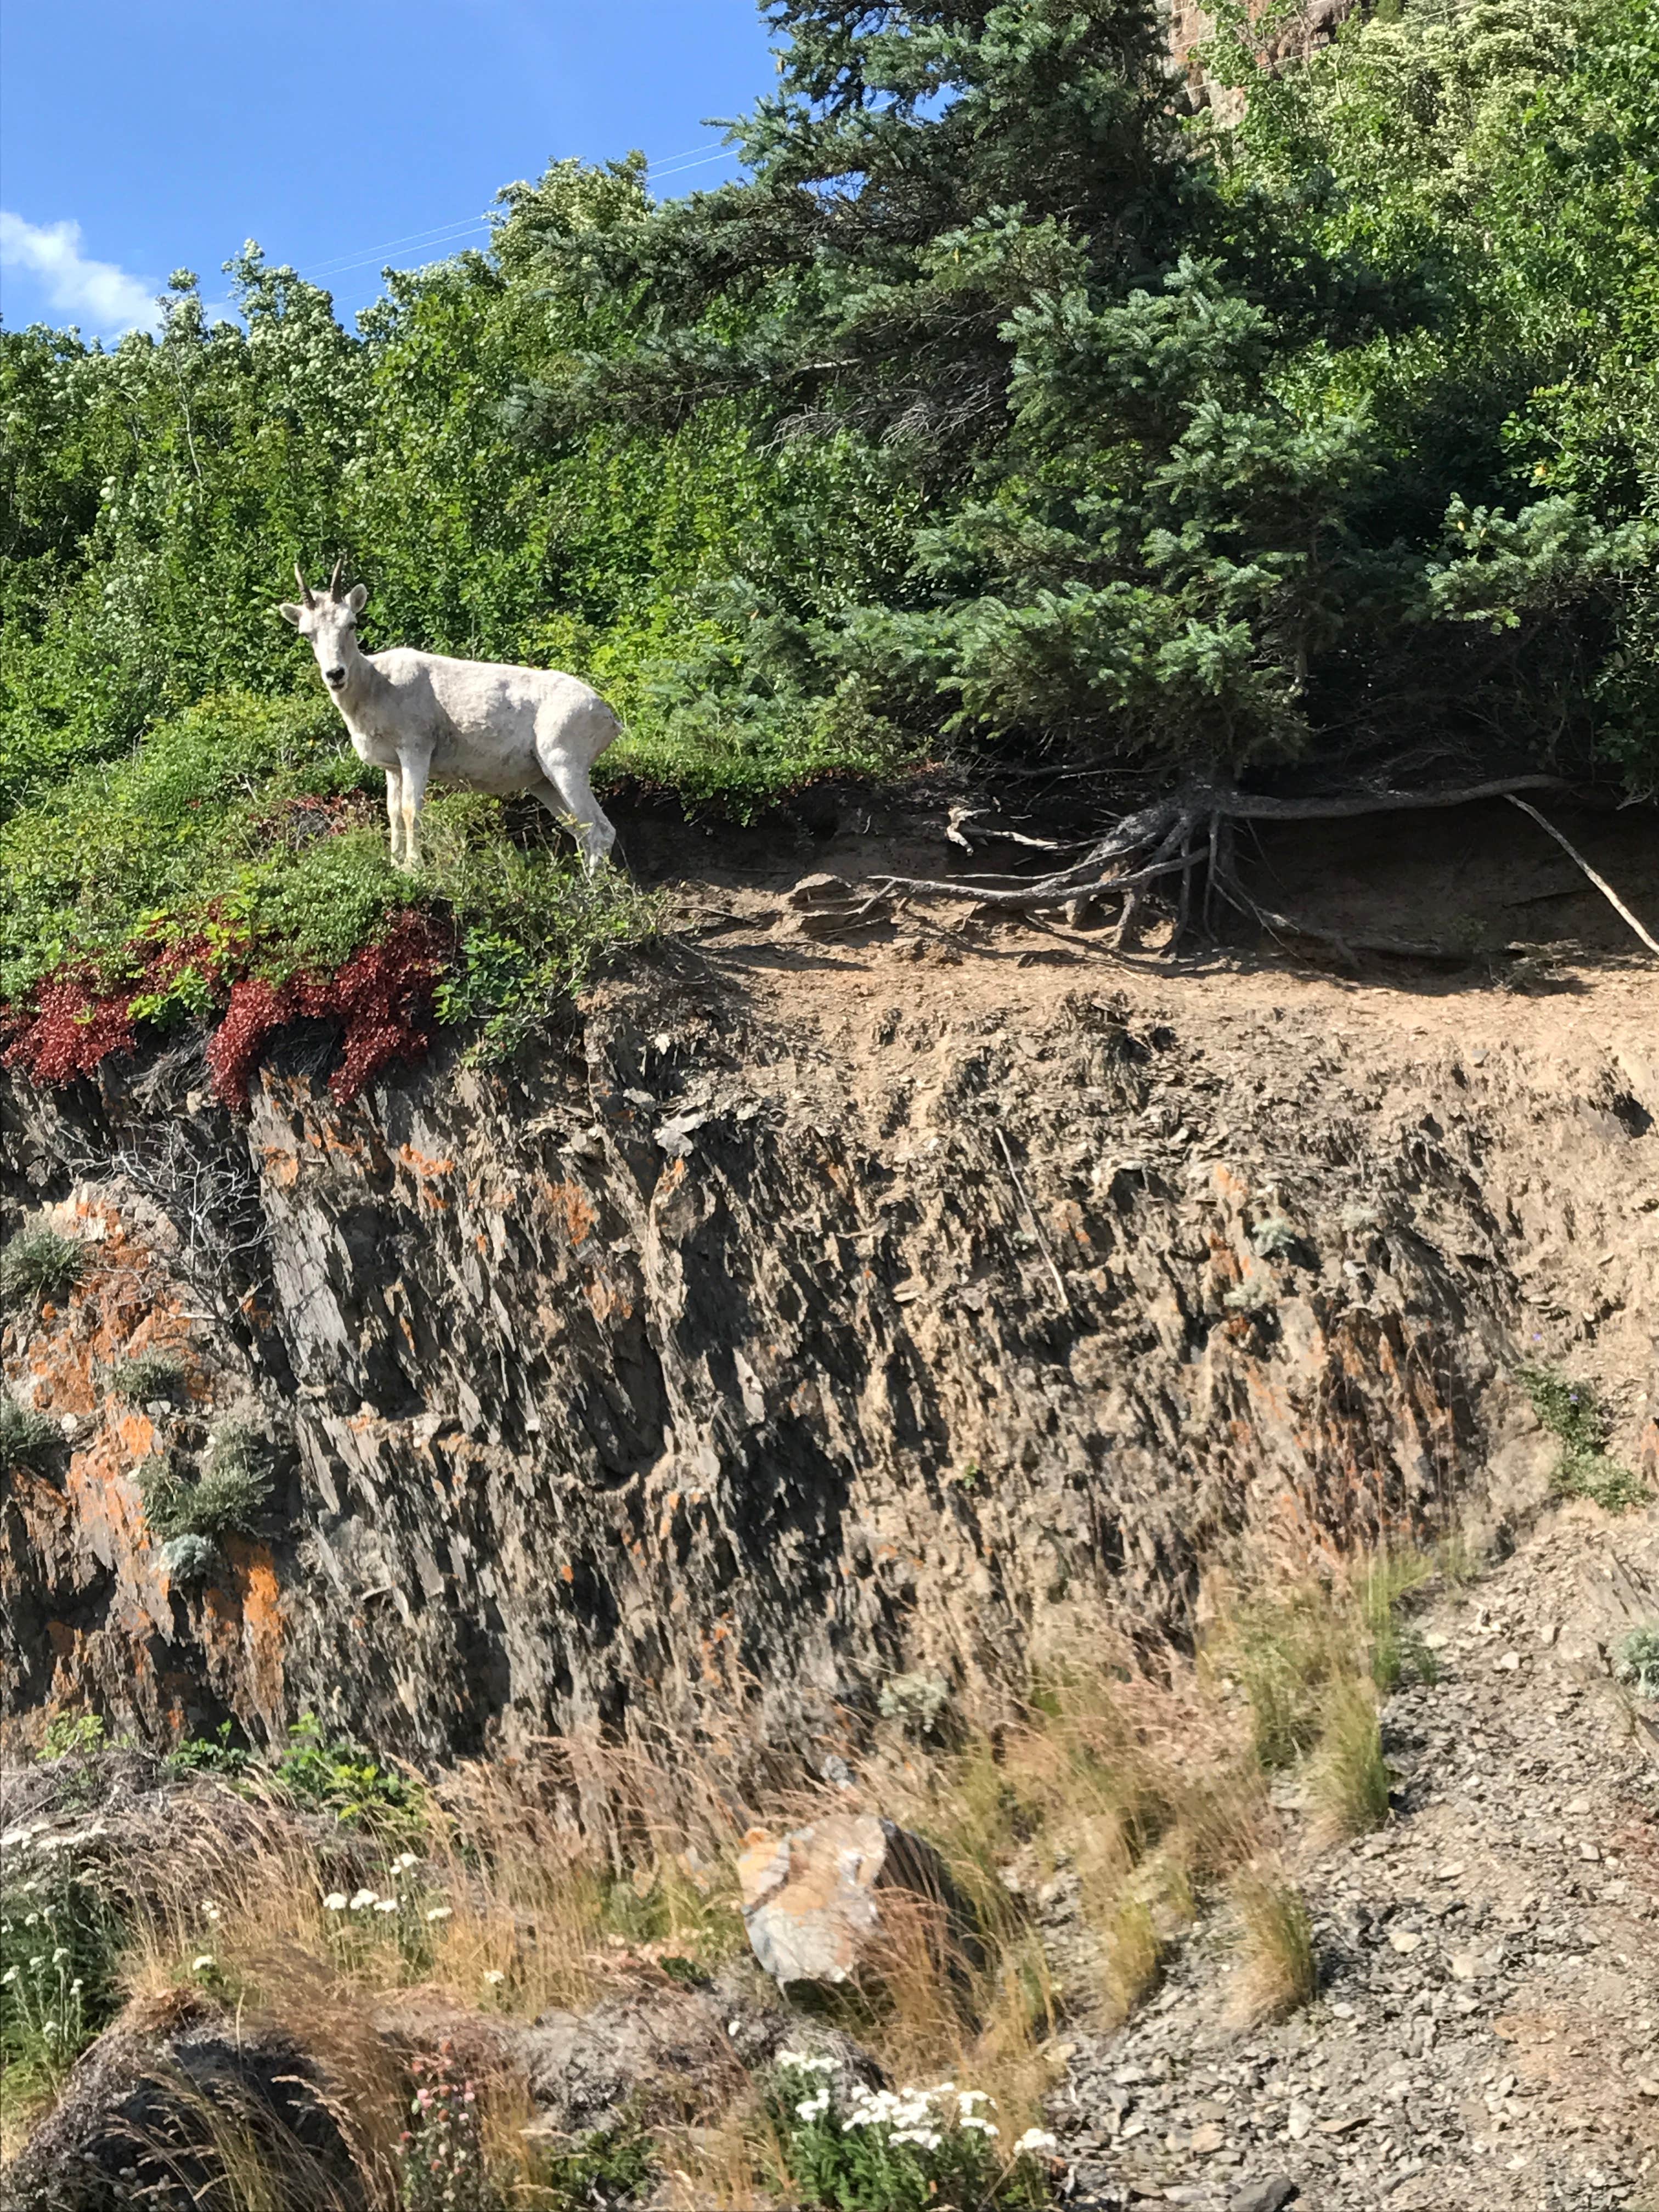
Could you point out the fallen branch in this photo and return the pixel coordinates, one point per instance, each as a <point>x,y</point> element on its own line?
<point>1599,882</point>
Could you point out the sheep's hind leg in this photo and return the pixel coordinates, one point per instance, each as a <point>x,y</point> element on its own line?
<point>394,813</point>
<point>413,778</point>
<point>572,800</point>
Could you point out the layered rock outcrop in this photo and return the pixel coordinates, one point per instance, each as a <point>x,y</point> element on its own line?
<point>700,1375</point>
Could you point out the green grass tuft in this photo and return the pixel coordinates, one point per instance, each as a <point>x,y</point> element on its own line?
<point>153,1374</point>
<point>37,1266</point>
<point>26,1439</point>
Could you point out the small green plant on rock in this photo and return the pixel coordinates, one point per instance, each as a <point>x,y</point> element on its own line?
<point>227,1498</point>
<point>209,1754</point>
<point>26,1439</point>
<point>1571,1412</point>
<point>1639,1661</point>
<point>156,1373</point>
<point>611,2166</point>
<point>37,1266</point>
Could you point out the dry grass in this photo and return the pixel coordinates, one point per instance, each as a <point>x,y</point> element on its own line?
<point>536,1879</point>
<point>1274,1970</point>
<point>1349,1782</point>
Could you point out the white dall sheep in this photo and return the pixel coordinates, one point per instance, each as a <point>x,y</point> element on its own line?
<point>477,722</point>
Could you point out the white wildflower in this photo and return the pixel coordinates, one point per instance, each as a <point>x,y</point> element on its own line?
<point>386,1904</point>
<point>335,1901</point>
<point>363,1900</point>
<point>733,2027</point>
<point>404,1860</point>
<point>967,2099</point>
<point>59,1954</point>
<point>440,1911</point>
<point>77,1986</point>
<point>8,1977</point>
<point>201,1962</point>
<point>929,2138</point>
<point>985,2127</point>
<point>1038,2139</point>
<point>813,2108</point>
<point>494,1974</point>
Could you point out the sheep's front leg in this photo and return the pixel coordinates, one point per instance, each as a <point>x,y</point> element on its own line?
<point>394,813</point>
<point>414,773</point>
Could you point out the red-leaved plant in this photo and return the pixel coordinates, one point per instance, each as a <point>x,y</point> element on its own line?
<point>382,997</point>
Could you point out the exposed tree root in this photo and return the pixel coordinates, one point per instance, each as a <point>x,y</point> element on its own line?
<point>1187,835</point>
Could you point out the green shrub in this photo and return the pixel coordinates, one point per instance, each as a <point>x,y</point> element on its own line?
<point>228,1498</point>
<point>37,1266</point>
<point>28,1438</point>
<point>209,1754</point>
<point>334,1775</point>
<point>72,1736</point>
<point>156,1373</point>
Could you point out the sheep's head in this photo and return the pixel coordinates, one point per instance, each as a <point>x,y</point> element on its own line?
<point>330,621</point>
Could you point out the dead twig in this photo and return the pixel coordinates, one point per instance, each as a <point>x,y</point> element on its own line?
<point>1036,1226</point>
<point>1599,882</point>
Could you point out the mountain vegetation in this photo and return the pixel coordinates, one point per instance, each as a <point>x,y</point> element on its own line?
<point>1006,410</point>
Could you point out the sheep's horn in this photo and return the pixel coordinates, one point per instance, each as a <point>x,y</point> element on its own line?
<point>334,581</point>
<point>305,589</point>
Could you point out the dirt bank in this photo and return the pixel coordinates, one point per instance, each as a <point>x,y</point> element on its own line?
<point>810,1311</point>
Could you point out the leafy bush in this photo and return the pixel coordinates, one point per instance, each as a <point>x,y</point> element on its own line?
<point>37,1266</point>
<point>210,1754</point>
<point>334,1775</point>
<point>73,1735</point>
<point>28,1438</point>
<point>260,899</point>
<point>896,2151</point>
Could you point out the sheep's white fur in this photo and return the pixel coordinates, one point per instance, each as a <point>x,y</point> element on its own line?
<point>479,722</point>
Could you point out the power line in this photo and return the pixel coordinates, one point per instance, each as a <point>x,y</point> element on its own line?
<point>671,165</point>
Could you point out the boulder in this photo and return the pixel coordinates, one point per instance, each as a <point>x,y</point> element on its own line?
<point>643,2053</point>
<point>138,2120</point>
<point>811,1900</point>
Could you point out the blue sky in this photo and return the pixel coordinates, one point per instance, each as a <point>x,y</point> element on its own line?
<point>140,138</point>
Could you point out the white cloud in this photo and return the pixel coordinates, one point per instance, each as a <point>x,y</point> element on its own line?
<point>95,293</point>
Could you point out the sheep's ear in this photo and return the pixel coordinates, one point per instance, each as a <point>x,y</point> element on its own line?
<point>290,613</point>
<point>357,597</point>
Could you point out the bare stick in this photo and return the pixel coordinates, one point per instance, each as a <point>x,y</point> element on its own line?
<point>1243,807</point>
<point>1036,1226</point>
<point>1599,882</point>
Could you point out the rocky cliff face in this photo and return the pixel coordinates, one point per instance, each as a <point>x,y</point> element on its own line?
<point>723,1367</point>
